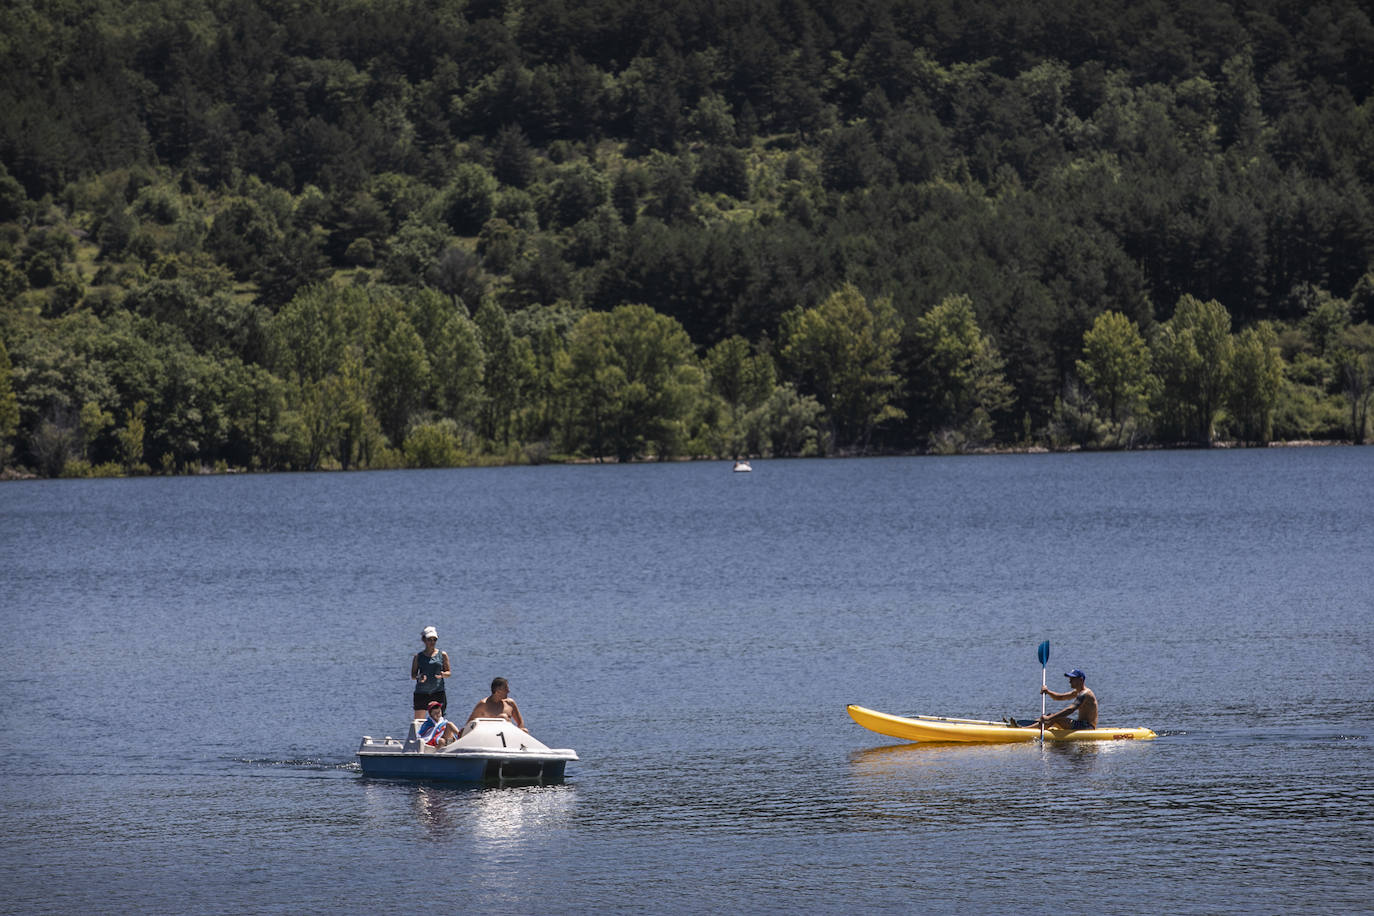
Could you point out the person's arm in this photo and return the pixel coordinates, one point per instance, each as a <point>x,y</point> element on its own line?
<point>1057,696</point>
<point>475,710</point>
<point>1072,709</point>
<point>515,714</point>
<point>415,666</point>
<point>445,672</point>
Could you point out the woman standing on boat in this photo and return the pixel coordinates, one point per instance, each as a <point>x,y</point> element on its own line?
<point>428,668</point>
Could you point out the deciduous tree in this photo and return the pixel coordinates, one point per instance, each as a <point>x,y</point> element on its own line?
<point>9,406</point>
<point>508,371</point>
<point>458,363</point>
<point>401,373</point>
<point>960,380</point>
<point>1192,357</point>
<point>844,352</point>
<point>787,424</point>
<point>1116,367</point>
<point>742,381</point>
<point>1256,375</point>
<point>633,380</point>
<point>130,438</point>
<point>308,336</point>
<point>1354,360</point>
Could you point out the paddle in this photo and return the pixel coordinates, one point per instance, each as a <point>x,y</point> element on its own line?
<point>1044,654</point>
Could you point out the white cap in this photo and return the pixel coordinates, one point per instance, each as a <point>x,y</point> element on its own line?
<point>427,632</point>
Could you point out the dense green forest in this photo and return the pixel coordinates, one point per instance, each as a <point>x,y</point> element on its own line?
<point>297,234</point>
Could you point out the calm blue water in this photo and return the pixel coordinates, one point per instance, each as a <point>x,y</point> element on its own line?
<point>189,665</point>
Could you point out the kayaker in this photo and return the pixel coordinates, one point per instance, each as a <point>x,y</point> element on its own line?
<point>428,668</point>
<point>499,705</point>
<point>436,731</point>
<point>1081,713</point>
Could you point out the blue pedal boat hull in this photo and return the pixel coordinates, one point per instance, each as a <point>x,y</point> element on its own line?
<point>486,750</point>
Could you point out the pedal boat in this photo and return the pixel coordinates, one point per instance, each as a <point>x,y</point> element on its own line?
<point>486,750</point>
<point>980,731</point>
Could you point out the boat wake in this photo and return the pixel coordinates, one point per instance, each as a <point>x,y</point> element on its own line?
<point>304,764</point>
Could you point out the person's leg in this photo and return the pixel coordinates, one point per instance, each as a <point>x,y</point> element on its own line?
<point>1056,721</point>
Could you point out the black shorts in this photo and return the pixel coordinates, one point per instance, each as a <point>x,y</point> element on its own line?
<point>422,701</point>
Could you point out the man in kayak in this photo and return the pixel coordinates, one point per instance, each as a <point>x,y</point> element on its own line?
<point>499,705</point>
<point>1081,713</point>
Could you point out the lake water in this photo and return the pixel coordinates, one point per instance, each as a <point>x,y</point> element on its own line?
<point>189,665</point>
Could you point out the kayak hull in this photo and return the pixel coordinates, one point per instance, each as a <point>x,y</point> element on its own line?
<point>979,731</point>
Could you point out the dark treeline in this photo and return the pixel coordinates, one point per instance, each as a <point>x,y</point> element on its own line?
<point>335,233</point>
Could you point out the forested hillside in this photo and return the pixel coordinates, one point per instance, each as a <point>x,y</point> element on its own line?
<point>343,234</point>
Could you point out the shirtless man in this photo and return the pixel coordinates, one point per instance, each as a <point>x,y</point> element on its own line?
<point>1081,713</point>
<point>499,705</point>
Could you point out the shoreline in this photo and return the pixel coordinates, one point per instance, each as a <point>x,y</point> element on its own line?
<point>18,474</point>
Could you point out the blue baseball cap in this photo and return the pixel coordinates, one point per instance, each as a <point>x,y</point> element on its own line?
<point>1077,672</point>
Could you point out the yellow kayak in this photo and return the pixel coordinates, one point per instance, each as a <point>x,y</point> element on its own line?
<point>980,731</point>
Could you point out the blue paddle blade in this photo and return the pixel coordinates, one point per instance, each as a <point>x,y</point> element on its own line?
<point>1044,653</point>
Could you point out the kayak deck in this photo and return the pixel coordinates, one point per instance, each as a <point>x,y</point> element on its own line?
<point>980,731</point>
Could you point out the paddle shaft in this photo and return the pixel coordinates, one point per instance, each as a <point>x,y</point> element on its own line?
<point>1042,703</point>
<point>1043,653</point>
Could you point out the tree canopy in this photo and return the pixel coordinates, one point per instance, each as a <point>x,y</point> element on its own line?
<point>265,235</point>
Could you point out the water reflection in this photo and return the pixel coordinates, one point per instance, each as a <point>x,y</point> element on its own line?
<point>1023,788</point>
<point>440,808</point>
<point>893,759</point>
<point>504,815</point>
<point>1081,756</point>
<point>510,815</point>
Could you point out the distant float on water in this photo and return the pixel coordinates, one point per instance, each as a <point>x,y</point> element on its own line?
<point>742,467</point>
